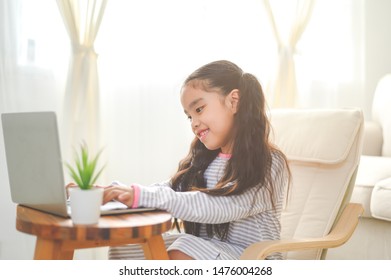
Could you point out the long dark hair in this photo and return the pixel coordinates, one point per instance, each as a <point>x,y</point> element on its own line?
<point>250,164</point>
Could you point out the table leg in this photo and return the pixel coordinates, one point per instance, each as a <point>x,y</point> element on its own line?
<point>47,249</point>
<point>154,248</point>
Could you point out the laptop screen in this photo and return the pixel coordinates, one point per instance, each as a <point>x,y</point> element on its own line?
<point>34,162</point>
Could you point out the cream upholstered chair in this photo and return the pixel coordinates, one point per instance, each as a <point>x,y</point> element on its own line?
<point>323,148</point>
<point>371,239</point>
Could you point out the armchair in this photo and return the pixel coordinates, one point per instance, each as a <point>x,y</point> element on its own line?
<point>371,239</point>
<point>323,148</point>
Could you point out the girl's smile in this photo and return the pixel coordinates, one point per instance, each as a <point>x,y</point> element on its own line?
<point>211,115</point>
<point>201,135</point>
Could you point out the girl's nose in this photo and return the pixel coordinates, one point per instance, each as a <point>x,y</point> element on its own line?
<point>195,123</point>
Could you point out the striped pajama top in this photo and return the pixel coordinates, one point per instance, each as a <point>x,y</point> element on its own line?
<point>251,215</point>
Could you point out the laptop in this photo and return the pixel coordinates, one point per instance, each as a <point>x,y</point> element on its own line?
<point>35,167</point>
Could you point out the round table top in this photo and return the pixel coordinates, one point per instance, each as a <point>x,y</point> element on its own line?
<point>110,227</point>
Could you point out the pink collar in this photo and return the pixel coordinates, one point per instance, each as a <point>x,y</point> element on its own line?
<point>227,156</point>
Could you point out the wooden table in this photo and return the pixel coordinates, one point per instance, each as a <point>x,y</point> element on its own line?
<point>57,237</point>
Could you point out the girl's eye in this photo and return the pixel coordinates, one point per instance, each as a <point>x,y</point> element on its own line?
<point>189,117</point>
<point>199,109</point>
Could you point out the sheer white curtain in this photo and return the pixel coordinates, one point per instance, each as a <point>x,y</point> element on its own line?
<point>31,38</point>
<point>331,59</point>
<point>8,12</point>
<point>82,101</point>
<point>283,88</point>
<point>8,52</point>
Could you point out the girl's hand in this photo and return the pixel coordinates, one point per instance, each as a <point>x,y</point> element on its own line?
<point>68,186</point>
<point>124,194</point>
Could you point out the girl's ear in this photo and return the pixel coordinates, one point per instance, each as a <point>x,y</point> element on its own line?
<point>233,100</point>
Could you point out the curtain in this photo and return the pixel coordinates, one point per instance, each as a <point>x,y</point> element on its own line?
<point>7,51</point>
<point>81,115</point>
<point>27,84</point>
<point>283,87</point>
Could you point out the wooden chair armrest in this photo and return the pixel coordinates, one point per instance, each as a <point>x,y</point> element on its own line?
<point>341,233</point>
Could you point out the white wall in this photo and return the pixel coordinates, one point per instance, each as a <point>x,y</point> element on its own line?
<point>377,44</point>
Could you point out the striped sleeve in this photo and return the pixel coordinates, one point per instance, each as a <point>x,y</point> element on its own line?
<point>200,207</point>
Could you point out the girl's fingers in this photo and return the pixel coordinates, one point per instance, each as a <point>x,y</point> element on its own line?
<point>126,198</point>
<point>111,193</point>
<point>70,185</point>
<point>122,194</point>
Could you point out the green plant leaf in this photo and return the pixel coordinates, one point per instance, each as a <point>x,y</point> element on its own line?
<point>74,174</point>
<point>84,173</point>
<point>97,175</point>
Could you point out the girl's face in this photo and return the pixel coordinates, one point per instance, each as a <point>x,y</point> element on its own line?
<point>211,115</point>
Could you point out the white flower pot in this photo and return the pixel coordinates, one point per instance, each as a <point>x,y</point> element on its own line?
<point>85,205</point>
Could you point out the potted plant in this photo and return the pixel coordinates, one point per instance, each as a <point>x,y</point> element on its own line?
<point>85,200</point>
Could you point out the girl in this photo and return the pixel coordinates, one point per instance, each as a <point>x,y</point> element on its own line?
<point>229,190</point>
